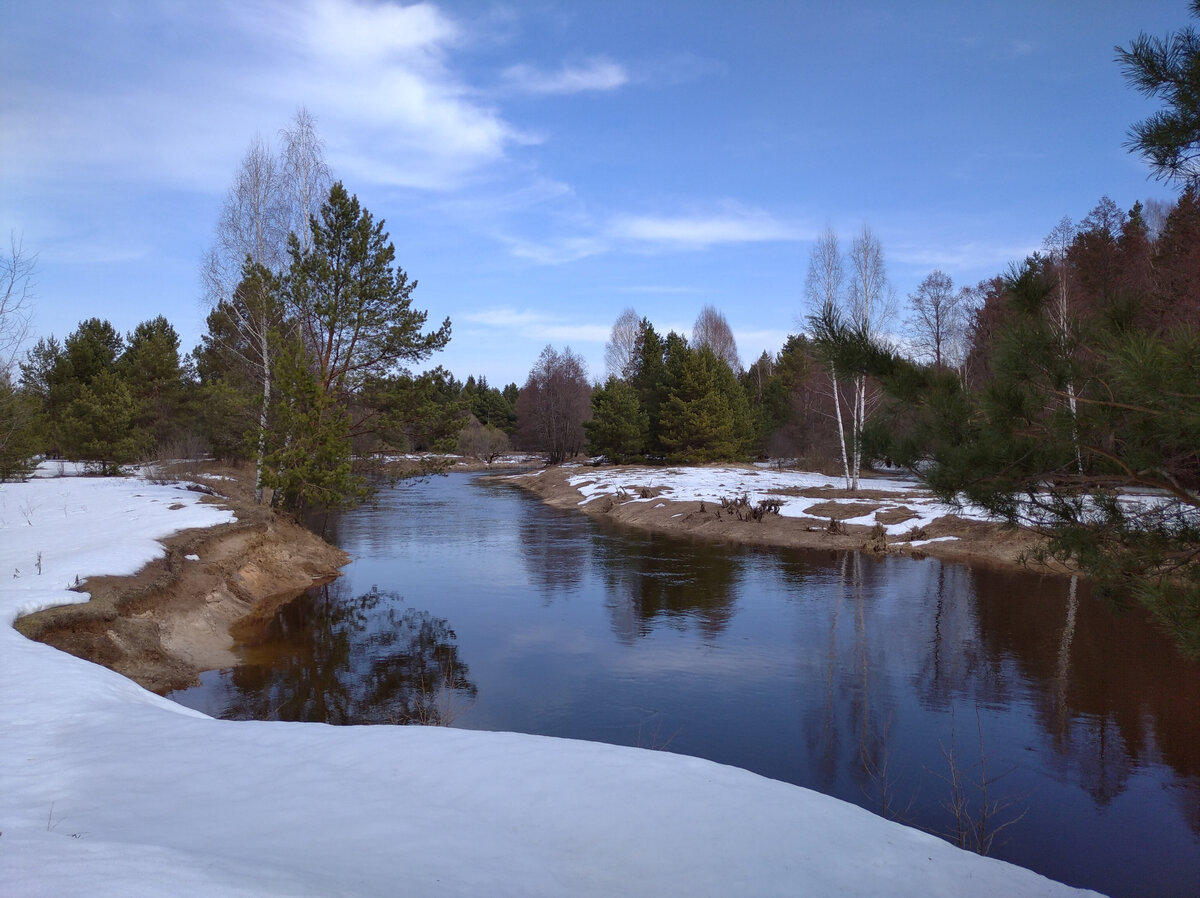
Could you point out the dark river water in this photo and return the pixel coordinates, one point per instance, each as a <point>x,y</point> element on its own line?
<point>984,706</point>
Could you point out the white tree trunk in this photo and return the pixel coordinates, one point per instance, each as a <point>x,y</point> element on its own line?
<point>262,426</point>
<point>837,413</point>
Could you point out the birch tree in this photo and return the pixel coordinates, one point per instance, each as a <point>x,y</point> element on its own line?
<point>823,287</point>
<point>1057,244</point>
<point>871,306</point>
<point>712,330</point>
<point>270,198</point>
<point>620,352</point>
<point>846,321</point>
<point>938,318</point>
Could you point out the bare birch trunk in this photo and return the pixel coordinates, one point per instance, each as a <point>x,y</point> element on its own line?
<point>837,413</point>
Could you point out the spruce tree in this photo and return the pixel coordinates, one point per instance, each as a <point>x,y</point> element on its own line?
<point>706,416</point>
<point>619,425</point>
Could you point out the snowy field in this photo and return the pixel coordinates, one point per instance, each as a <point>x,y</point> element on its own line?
<point>109,790</point>
<point>712,484</point>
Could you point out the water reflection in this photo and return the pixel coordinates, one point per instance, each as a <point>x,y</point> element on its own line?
<point>678,585</point>
<point>554,551</point>
<point>338,658</point>
<point>871,679</point>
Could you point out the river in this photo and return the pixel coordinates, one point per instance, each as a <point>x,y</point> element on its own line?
<point>987,706</point>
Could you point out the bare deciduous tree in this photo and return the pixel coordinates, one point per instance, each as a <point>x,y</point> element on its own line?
<point>306,175</point>
<point>16,293</point>
<point>17,271</point>
<point>871,300</point>
<point>937,317</point>
<point>554,404</point>
<point>712,330</point>
<point>620,352</point>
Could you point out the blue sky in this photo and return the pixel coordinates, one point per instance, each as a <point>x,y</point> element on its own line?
<point>542,165</point>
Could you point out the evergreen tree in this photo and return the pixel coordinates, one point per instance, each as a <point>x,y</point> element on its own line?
<point>154,374</point>
<point>706,416</point>
<point>619,425</point>
<point>308,458</point>
<point>18,433</point>
<point>415,413</point>
<point>1016,448</point>
<point>1170,138</point>
<point>351,302</point>
<point>97,426</point>
<point>649,379</point>
<point>39,379</point>
<point>94,406</point>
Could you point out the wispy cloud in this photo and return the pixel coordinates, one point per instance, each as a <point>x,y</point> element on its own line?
<point>374,74</point>
<point>972,256</point>
<point>557,251</point>
<point>539,326</point>
<point>596,74</point>
<point>731,224</point>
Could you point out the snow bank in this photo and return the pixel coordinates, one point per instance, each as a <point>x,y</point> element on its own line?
<point>106,789</point>
<point>711,485</point>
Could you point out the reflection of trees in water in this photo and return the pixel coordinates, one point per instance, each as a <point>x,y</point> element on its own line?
<point>653,580</point>
<point>955,663</point>
<point>1110,692</point>
<point>337,659</point>
<point>554,549</point>
<point>1115,693</point>
<point>847,733</point>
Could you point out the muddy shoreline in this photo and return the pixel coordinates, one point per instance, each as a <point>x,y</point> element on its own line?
<point>217,587</point>
<point>185,612</point>
<point>974,542</point>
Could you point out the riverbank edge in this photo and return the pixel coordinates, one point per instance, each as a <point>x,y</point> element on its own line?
<point>214,588</point>
<point>992,544</point>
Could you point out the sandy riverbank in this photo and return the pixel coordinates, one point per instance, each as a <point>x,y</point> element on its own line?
<point>948,537</point>
<point>185,612</point>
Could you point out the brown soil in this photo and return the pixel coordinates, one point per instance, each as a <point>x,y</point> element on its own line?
<point>177,617</point>
<point>977,542</point>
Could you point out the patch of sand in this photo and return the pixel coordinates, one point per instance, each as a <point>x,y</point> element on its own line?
<point>185,612</point>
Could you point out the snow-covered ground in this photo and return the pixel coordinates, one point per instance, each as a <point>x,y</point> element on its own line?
<point>107,790</point>
<point>712,484</point>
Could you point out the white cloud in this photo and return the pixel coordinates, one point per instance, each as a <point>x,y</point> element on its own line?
<point>539,326</point>
<point>972,256</point>
<point>597,74</point>
<point>731,224</point>
<point>176,98</point>
<point>555,252</point>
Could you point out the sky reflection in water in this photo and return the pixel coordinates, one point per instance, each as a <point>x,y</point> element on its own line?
<point>472,603</point>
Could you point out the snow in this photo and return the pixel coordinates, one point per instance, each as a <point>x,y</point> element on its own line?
<point>712,484</point>
<point>107,790</point>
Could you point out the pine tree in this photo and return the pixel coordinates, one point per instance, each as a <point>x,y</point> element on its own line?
<point>706,416</point>
<point>618,426</point>
<point>153,372</point>
<point>97,426</point>
<point>351,302</point>
<point>308,457</point>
